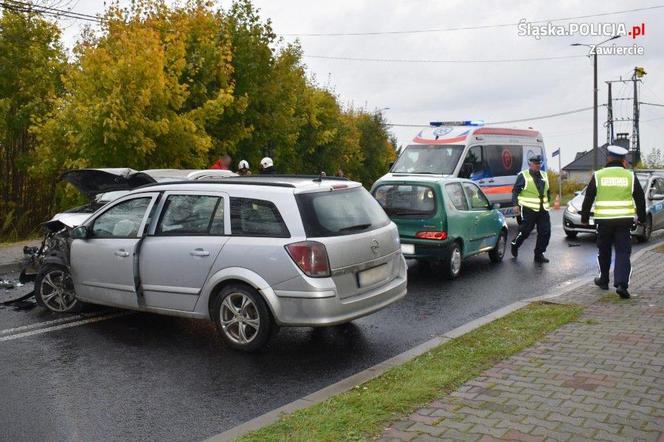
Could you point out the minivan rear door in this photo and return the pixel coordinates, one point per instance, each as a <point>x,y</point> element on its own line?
<point>362,243</point>
<point>183,244</point>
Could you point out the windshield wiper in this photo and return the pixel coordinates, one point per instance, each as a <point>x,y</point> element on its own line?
<point>355,227</point>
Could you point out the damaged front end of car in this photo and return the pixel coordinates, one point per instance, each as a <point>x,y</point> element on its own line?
<point>54,249</point>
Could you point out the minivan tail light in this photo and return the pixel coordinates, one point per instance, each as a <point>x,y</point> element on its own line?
<point>310,257</point>
<point>440,236</point>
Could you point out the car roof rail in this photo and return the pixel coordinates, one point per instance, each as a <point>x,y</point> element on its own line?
<point>225,180</point>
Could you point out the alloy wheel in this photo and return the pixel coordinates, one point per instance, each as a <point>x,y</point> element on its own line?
<point>240,320</point>
<point>57,291</point>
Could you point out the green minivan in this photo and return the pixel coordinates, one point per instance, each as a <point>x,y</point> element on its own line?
<point>442,219</point>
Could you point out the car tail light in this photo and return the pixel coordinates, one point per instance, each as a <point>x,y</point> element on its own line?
<point>310,257</point>
<point>432,235</point>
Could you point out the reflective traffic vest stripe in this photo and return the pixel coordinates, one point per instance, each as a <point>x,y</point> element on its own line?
<point>529,196</point>
<point>614,193</point>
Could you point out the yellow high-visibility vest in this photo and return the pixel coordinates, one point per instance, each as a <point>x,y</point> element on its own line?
<point>529,197</point>
<point>614,193</point>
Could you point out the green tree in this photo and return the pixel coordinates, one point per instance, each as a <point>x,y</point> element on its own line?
<point>31,63</point>
<point>142,93</point>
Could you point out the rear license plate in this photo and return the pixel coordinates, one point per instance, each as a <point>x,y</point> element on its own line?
<point>374,275</point>
<point>408,249</point>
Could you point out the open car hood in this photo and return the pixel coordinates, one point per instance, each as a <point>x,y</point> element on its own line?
<point>95,181</point>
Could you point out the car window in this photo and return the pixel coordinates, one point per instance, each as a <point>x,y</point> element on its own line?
<point>122,220</point>
<point>657,186</point>
<point>502,160</point>
<point>455,196</point>
<point>406,199</point>
<point>192,215</point>
<point>250,217</point>
<point>476,160</point>
<point>431,159</point>
<point>478,200</point>
<point>342,212</point>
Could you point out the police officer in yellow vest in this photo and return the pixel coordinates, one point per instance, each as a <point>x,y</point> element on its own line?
<point>531,197</point>
<point>618,198</point>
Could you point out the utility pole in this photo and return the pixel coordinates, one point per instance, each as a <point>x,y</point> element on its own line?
<point>593,52</point>
<point>636,136</point>
<point>609,116</point>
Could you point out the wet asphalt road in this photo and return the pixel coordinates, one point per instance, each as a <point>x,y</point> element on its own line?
<point>151,377</point>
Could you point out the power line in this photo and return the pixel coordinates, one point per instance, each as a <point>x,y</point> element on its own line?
<point>411,60</point>
<point>19,6</point>
<point>521,120</point>
<point>651,104</point>
<point>465,28</point>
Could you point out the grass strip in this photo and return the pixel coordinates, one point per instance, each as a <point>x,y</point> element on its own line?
<point>660,248</point>
<point>363,412</point>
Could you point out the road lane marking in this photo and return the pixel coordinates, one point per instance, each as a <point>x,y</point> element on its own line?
<point>66,325</point>
<point>11,331</point>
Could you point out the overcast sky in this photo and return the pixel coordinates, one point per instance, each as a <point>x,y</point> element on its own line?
<point>417,93</point>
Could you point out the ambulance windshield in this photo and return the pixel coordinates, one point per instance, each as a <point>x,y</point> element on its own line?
<point>429,159</point>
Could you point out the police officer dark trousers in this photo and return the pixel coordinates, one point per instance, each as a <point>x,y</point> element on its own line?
<point>618,197</point>
<point>531,195</point>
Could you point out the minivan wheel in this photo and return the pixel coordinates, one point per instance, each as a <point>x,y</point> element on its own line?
<point>497,253</point>
<point>647,231</point>
<point>242,317</point>
<point>54,289</point>
<point>452,264</point>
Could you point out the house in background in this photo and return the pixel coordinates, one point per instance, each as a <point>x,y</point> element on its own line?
<point>581,169</point>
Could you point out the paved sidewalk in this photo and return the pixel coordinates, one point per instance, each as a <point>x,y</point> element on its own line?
<point>601,378</point>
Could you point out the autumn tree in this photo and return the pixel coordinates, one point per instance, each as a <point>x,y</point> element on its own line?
<point>31,63</point>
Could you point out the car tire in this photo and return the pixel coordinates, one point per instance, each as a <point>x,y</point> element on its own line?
<point>498,253</point>
<point>571,234</point>
<point>242,317</point>
<point>453,263</point>
<point>54,290</point>
<point>647,231</point>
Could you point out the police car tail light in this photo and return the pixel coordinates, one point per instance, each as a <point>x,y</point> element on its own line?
<point>310,257</point>
<point>431,235</point>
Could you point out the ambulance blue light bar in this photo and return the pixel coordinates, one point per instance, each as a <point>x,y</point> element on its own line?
<point>457,123</point>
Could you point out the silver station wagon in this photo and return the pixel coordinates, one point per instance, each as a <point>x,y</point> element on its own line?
<point>251,254</point>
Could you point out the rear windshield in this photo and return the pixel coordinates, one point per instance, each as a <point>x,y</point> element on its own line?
<point>340,212</point>
<point>403,200</point>
<point>430,159</point>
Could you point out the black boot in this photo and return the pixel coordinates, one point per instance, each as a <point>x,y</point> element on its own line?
<point>599,282</point>
<point>541,259</point>
<point>622,292</point>
<point>515,250</point>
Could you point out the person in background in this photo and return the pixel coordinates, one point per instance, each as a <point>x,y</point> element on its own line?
<point>267,166</point>
<point>243,168</point>
<point>530,197</point>
<point>223,163</point>
<point>618,197</point>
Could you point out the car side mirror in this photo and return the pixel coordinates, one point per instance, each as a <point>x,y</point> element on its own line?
<point>494,206</point>
<point>657,196</point>
<point>80,232</point>
<point>577,193</point>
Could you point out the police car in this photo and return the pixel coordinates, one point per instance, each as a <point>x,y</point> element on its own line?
<point>490,156</point>
<point>652,182</point>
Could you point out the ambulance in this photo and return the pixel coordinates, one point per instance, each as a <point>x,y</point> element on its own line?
<point>490,156</point>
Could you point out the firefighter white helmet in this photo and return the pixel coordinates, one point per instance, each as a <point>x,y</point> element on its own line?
<point>244,164</point>
<point>266,162</point>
